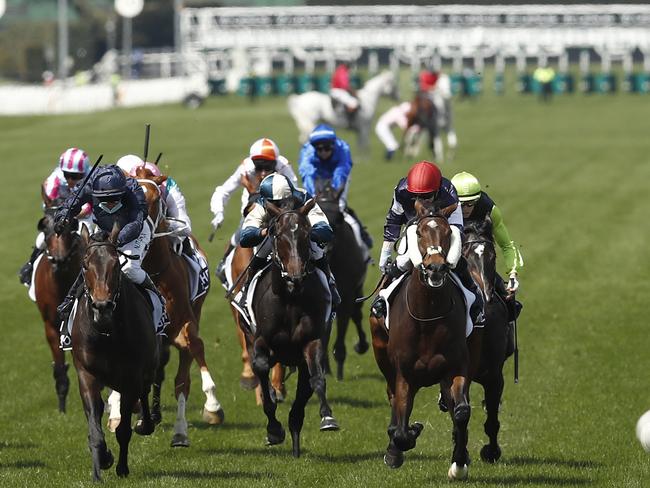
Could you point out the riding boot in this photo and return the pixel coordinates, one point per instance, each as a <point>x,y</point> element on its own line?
<point>379,308</point>
<point>220,271</point>
<point>25,273</point>
<point>513,305</point>
<point>148,284</point>
<point>324,266</point>
<point>254,267</point>
<point>364,232</point>
<point>477,310</point>
<point>64,310</point>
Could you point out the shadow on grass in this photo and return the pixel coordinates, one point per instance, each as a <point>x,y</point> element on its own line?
<point>528,480</point>
<point>16,445</point>
<point>23,465</point>
<point>196,475</point>
<point>373,456</point>
<point>228,426</point>
<point>568,463</point>
<point>280,450</point>
<point>357,402</point>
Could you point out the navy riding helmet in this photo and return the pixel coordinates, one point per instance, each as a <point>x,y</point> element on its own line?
<point>109,184</point>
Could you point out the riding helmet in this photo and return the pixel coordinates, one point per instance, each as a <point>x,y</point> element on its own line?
<point>467,186</point>
<point>423,177</point>
<point>109,182</point>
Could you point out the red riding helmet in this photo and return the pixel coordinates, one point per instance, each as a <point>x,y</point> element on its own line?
<point>423,177</point>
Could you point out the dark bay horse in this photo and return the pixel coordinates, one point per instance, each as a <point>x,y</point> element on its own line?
<point>349,269</point>
<point>169,271</point>
<point>479,250</point>
<point>54,276</point>
<point>426,344</point>
<point>114,345</point>
<point>428,115</point>
<point>291,306</point>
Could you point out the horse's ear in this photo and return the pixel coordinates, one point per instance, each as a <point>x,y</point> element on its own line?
<point>159,179</point>
<point>420,209</point>
<point>272,209</point>
<point>307,207</point>
<point>41,226</point>
<point>85,235</point>
<point>115,231</point>
<point>447,211</point>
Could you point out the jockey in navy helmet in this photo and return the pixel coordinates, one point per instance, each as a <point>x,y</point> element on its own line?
<point>119,199</point>
<point>277,189</point>
<point>425,182</point>
<point>326,157</point>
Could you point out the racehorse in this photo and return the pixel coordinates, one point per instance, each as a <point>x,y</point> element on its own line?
<point>427,341</point>
<point>480,253</point>
<point>349,269</point>
<point>115,345</point>
<point>55,274</point>
<point>311,108</point>
<point>431,110</point>
<point>290,304</point>
<point>169,271</point>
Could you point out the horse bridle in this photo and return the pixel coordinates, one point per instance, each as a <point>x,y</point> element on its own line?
<point>275,257</point>
<point>116,295</point>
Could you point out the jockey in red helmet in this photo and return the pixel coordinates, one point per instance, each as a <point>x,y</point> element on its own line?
<point>341,90</point>
<point>425,182</point>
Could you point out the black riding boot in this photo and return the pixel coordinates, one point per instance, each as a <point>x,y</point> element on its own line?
<point>477,310</point>
<point>365,237</point>
<point>220,271</point>
<point>148,284</point>
<point>256,264</point>
<point>64,310</point>
<point>27,269</point>
<point>378,307</point>
<point>324,266</point>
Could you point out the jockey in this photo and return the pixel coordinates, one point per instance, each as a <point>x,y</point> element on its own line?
<point>171,193</point>
<point>427,80</point>
<point>263,159</point>
<point>476,206</point>
<point>116,199</point>
<point>326,157</point>
<point>396,116</point>
<point>425,182</point>
<point>277,188</point>
<point>341,91</point>
<point>73,167</point>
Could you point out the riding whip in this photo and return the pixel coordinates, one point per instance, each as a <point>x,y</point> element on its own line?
<point>380,283</point>
<point>147,130</point>
<point>516,352</point>
<point>157,159</point>
<point>81,187</point>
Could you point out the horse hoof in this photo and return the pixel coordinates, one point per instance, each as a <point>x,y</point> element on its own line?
<point>361,347</point>
<point>328,423</point>
<point>394,460</point>
<point>248,382</point>
<point>180,440</point>
<point>415,430</point>
<point>457,472</point>
<point>112,424</point>
<point>156,417</point>
<point>144,428</point>
<point>275,438</point>
<point>107,460</point>
<point>490,454</point>
<point>214,418</point>
<point>122,471</point>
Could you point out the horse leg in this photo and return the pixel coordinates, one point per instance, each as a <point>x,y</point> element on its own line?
<point>247,379</point>
<point>362,346</point>
<point>297,413</point>
<point>59,366</point>
<point>114,415</point>
<point>261,366</point>
<point>156,412</point>
<point>402,436</point>
<point>182,382</point>
<point>145,424</point>
<point>493,387</point>
<point>212,412</point>
<point>124,433</point>
<point>277,382</point>
<point>313,356</point>
<point>93,404</point>
<point>339,351</point>
<point>460,413</point>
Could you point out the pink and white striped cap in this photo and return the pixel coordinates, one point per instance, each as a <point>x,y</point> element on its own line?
<point>74,160</point>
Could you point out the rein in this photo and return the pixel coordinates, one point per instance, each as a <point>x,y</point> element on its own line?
<point>432,319</point>
<point>275,255</point>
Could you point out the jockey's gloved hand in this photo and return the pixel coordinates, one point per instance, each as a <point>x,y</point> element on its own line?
<point>60,226</point>
<point>513,283</point>
<point>384,257</point>
<point>217,220</point>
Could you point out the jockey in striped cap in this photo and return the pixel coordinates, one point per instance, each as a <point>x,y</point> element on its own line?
<point>73,165</point>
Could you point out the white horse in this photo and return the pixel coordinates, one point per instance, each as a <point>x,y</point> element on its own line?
<point>443,115</point>
<point>312,108</point>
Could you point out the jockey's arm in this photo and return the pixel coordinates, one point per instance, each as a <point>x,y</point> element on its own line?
<point>223,192</point>
<point>306,167</point>
<point>395,218</point>
<point>343,168</point>
<point>512,256</point>
<point>176,207</point>
<point>85,197</point>
<point>136,204</point>
<point>251,233</point>
<point>321,232</point>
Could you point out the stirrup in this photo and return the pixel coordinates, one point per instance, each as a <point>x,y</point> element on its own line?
<point>65,341</point>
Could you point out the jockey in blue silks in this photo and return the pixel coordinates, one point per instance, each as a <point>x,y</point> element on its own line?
<point>277,188</point>
<point>326,157</point>
<point>119,199</point>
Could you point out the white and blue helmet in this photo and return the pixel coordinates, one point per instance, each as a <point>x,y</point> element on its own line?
<point>276,187</point>
<point>322,133</point>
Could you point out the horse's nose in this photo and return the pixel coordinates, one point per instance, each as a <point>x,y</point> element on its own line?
<point>436,267</point>
<point>103,306</point>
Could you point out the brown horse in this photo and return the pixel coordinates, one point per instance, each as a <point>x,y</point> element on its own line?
<point>114,345</point>
<point>426,115</point>
<point>169,271</point>
<point>426,344</point>
<point>349,269</point>
<point>291,306</point>
<point>56,272</point>
<point>480,253</point>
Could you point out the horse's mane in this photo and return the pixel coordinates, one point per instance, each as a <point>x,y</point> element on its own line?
<point>481,228</point>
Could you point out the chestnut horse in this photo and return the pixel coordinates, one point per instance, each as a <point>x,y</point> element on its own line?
<point>427,342</point>
<point>290,303</point>
<point>115,345</point>
<point>55,274</point>
<point>349,269</point>
<point>480,253</point>
<point>169,271</point>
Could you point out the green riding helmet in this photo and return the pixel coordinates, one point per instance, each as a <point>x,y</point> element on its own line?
<point>467,186</point>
